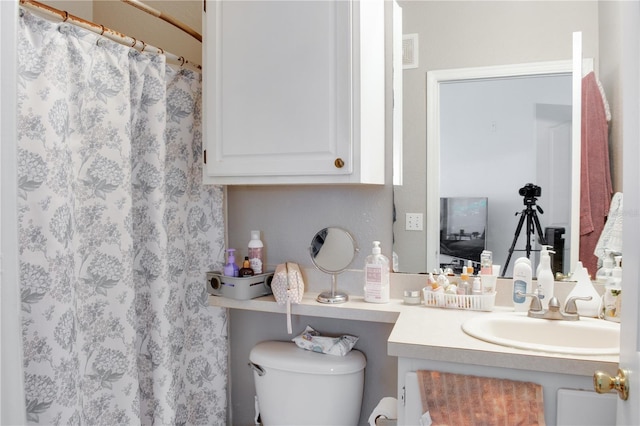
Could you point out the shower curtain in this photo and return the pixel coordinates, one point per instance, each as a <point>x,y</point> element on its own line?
<point>116,234</point>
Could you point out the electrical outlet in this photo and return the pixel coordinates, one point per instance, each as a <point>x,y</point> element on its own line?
<point>414,222</point>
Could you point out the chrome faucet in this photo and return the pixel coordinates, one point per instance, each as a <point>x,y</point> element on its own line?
<point>553,313</point>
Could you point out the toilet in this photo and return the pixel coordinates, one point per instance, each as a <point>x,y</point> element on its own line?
<point>299,387</point>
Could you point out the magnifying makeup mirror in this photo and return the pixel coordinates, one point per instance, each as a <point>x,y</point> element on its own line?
<point>332,250</point>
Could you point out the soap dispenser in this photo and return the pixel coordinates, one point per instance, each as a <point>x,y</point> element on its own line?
<point>230,268</point>
<point>544,251</point>
<point>546,281</point>
<point>612,298</point>
<point>585,288</point>
<point>376,276</point>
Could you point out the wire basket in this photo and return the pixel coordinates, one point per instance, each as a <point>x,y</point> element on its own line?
<point>480,302</point>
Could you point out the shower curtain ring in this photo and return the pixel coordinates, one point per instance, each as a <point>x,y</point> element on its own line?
<point>102,32</point>
<point>66,16</point>
<point>134,42</point>
<point>182,59</point>
<point>144,45</point>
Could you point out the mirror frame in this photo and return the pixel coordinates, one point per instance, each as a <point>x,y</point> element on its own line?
<point>435,78</point>
<point>333,296</point>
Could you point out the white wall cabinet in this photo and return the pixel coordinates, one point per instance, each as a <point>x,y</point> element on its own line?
<point>294,92</point>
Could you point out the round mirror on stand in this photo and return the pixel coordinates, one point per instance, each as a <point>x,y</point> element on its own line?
<point>332,250</point>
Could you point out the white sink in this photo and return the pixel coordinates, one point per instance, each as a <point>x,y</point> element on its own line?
<point>587,336</point>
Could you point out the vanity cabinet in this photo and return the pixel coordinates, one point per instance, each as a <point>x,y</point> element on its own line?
<point>568,398</point>
<point>294,92</point>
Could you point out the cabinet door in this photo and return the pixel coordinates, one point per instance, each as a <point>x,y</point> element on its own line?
<point>278,88</point>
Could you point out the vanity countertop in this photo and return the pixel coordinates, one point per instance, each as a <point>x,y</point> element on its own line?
<point>431,333</point>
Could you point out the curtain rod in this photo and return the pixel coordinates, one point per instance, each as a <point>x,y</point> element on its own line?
<point>167,18</point>
<point>107,32</point>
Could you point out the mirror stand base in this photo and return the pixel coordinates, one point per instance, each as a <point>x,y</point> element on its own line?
<point>332,297</point>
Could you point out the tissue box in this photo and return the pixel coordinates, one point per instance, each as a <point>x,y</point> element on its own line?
<point>244,288</point>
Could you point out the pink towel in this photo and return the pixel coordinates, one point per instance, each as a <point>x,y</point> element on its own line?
<point>462,400</point>
<point>595,174</point>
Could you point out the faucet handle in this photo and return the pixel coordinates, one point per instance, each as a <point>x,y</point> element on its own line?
<point>571,308</point>
<point>536,305</point>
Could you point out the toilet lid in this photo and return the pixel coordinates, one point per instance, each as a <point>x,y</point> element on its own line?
<point>287,356</point>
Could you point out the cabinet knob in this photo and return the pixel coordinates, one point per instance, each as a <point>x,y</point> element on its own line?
<point>603,383</point>
<point>339,163</point>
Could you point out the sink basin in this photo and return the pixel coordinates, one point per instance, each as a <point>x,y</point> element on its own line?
<point>587,336</point>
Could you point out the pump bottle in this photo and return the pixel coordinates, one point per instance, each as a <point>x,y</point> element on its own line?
<point>376,276</point>
<point>546,281</point>
<point>230,268</point>
<point>612,299</point>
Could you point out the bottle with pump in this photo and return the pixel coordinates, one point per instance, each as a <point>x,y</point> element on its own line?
<point>230,268</point>
<point>376,276</point>
<point>246,270</point>
<point>521,283</point>
<point>256,253</point>
<point>545,250</point>
<point>612,298</point>
<point>545,278</point>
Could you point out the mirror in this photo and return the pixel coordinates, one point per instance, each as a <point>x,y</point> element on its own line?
<point>508,127</point>
<point>481,155</point>
<point>332,250</point>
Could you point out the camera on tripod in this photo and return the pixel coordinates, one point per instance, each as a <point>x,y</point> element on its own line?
<point>530,191</point>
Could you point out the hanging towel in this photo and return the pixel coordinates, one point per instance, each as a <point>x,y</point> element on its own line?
<point>463,400</point>
<point>611,236</point>
<point>595,173</point>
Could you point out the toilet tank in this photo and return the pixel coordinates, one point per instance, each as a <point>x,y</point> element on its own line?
<point>299,387</point>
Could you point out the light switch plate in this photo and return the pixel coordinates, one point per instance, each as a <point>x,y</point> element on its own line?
<point>414,222</point>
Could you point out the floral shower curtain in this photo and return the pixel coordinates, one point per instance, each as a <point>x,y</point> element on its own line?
<point>116,233</point>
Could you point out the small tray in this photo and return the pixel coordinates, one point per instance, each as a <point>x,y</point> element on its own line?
<point>244,288</point>
<point>480,302</point>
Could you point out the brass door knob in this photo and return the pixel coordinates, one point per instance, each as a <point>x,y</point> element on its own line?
<point>339,163</point>
<point>603,383</point>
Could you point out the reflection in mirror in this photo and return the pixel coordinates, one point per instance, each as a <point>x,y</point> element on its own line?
<point>493,131</point>
<point>332,250</point>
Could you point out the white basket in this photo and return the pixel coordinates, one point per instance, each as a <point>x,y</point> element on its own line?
<point>481,302</point>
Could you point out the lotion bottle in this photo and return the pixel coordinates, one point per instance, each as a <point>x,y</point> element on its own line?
<point>256,253</point>
<point>376,276</point>
<point>545,278</point>
<point>521,283</point>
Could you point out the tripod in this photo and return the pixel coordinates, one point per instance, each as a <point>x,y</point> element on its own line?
<point>530,215</point>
